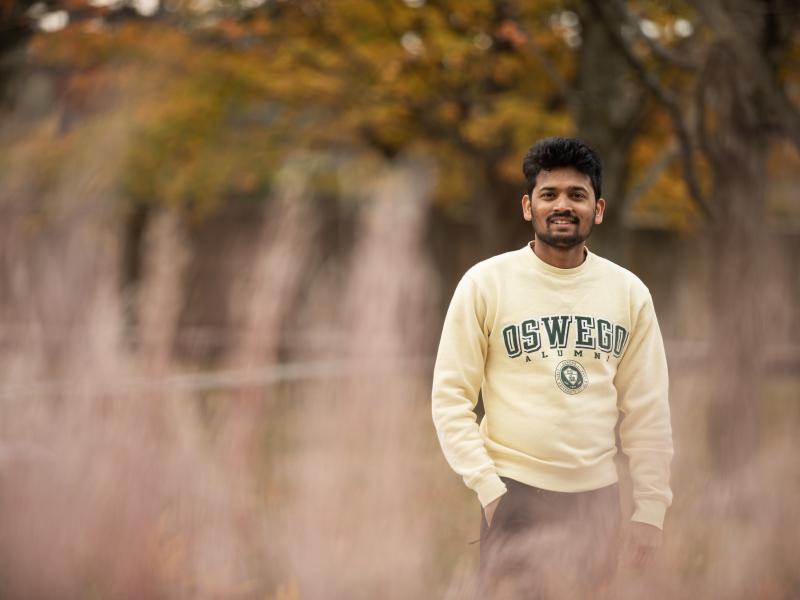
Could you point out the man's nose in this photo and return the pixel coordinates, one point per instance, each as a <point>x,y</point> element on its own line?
<point>562,202</point>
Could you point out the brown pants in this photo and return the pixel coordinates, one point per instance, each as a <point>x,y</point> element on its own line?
<point>545,544</point>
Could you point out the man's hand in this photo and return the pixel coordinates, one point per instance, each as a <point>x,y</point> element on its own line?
<point>489,509</point>
<point>640,546</point>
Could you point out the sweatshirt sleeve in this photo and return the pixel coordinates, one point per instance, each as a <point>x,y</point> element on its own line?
<point>646,435</point>
<point>457,379</point>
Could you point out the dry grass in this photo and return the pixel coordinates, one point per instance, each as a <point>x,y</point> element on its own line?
<point>330,487</point>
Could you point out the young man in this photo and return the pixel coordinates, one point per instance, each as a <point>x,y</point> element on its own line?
<point>559,341</point>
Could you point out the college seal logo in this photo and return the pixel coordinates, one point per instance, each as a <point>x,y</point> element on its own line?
<point>571,377</point>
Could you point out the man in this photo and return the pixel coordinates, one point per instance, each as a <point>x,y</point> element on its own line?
<point>559,341</point>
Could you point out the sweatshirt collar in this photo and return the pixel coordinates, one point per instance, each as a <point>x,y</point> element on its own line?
<point>544,267</point>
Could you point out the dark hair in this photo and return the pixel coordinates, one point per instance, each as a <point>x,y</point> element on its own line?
<point>554,152</point>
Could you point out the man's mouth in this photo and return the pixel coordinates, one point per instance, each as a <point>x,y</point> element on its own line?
<point>562,220</point>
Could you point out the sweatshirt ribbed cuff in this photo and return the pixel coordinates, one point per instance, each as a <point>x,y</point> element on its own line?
<point>490,488</point>
<point>651,512</point>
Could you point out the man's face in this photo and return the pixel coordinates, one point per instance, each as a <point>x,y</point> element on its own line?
<point>562,207</point>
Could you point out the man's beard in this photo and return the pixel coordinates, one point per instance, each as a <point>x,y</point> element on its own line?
<point>562,241</point>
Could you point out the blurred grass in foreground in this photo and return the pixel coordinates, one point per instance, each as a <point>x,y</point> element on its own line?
<point>330,487</point>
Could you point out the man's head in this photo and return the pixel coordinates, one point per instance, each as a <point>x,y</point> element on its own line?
<point>564,200</point>
<point>554,152</point>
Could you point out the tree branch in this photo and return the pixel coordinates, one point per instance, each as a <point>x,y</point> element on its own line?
<point>659,50</point>
<point>650,177</point>
<point>549,67</point>
<point>739,37</point>
<point>665,97</point>
<point>513,32</point>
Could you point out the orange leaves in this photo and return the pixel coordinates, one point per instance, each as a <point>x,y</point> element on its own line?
<point>217,101</point>
<point>511,32</point>
<point>657,195</point>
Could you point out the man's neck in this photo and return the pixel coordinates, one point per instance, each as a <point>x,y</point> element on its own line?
<point>561,258</point>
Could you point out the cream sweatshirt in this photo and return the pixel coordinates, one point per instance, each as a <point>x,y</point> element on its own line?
<point>556,354</point>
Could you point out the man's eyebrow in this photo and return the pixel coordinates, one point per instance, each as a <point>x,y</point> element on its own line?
<point>572,188</point>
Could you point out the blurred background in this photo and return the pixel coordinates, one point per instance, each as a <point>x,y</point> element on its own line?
<point>229,230</point>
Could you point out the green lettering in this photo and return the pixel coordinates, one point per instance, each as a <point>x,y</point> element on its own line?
<point>585,330</point>
<point>620,338</point>
<point>605,338</point>
<point>557,330</point>
<point>531,341</point>
<point>511,339</point>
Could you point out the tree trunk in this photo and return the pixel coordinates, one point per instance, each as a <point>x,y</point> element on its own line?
<point>736,146</point>
<point>607,108</point>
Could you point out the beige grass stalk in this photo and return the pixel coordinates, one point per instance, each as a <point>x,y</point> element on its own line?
<point>97,497</point>
<point>161,295</point>
<point>261,303</point>
<point>356,526</point>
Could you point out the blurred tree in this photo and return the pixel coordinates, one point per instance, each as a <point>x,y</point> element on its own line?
<point>15,28</point>
<point>217,95</point>
<point>471,86</point>
<point>736,102</point>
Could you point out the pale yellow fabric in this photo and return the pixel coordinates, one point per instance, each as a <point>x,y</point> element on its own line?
<point>550,423</point>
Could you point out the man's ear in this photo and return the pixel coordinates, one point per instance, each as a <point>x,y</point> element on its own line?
<point>599,209</point>
<point>526,208</point>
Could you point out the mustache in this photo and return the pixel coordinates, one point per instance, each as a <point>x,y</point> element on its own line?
<point>562,215</point>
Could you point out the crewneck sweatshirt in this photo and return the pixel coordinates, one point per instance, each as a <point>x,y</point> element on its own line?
<point>557,354</point>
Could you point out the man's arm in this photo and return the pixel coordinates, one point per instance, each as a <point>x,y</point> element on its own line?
<point>457,379</point>
<point>646,435</point>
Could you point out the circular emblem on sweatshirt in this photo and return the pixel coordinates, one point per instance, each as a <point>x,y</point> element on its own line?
<point>571,377</point>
